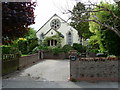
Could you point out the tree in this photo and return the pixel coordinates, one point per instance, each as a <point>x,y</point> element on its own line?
<point>32,41</point>
<point>30,34</point>
<point>104,20</point>
<point>101,8</point>
<point>82,27</point>
<point>28,42</point>
<point>107,39</point>
<point>16,17</point>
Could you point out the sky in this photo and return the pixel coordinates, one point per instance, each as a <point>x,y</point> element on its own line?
<point>45,9</point>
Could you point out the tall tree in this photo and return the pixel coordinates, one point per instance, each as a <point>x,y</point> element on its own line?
<point>16,17</point>
<point>82,27</point>
<point>91,9</point>
<point>30,34</point>
<point>108,40</point>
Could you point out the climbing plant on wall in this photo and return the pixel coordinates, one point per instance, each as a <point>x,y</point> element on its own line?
<point>55,37</point>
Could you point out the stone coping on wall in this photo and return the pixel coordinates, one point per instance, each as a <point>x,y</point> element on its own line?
<point>100,59</point>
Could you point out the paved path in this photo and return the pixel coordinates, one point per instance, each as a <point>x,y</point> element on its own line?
<point>49,74</point>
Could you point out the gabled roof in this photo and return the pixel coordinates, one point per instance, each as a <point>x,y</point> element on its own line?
<point>61,35</point>
<point>49,20</point>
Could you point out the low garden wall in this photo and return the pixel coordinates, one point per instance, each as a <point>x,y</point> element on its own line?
<point>51,55</point>
<point>95,69</point>
<point>25,61</point>
<point>10,63</point>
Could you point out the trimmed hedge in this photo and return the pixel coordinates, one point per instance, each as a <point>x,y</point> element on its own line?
<point>9,50</point>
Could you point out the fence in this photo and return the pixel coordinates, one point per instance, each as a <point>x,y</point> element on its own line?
<point>95,69</point>
<point>10,63</point>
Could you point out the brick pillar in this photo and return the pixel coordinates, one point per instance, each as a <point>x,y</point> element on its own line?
<point>73,64</point>
<point>40,54</point>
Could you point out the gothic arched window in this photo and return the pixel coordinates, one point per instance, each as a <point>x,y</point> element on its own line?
<point>41,36</point>
<point>69,38</point>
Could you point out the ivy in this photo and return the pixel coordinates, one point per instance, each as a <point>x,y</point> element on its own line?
<point>55,37</point>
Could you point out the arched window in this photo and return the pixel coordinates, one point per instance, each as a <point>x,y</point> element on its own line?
<point>69,38</point>
<point>52,42</point>
<point>41,36</point>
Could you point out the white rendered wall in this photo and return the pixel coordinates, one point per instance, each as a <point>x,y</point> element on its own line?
<point>64,29</point>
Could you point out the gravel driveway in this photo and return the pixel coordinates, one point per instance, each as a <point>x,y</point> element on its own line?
<point>47,70</point>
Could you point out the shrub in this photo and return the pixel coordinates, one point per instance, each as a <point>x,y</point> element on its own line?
<point>79,47</point>
<point>32,44</point>
<point>93,50</point>
<point>38,48</point>
<point>22,46</point>
<point>35,50</point>
<point>56,51</point>
<point>10,50</point>
<point>26,46</point>
<point>43,48</point>
<point>67,48</point>
<point>5,49</point>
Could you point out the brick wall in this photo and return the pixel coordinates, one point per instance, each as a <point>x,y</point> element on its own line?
<point>95,69</point>
<point>10,63</point>
<point>25,61</point>
<point>50,55</point>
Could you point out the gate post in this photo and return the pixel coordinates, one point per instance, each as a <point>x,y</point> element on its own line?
<point>74,62</point>
<point>40,54</point>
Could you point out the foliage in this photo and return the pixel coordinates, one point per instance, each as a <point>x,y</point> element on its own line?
<point>30,34</point>
<point>111,43</point>
<point>22,46</point>
<point>107,40</point>
<point>24,55</point>
<point>38,48</point>
<point>28,43</point>
<point>54,50</point>
<point>81,27</point>
<point>93,44</point>
<point>5,49</point>
<point>16,17</point>
<point>79,47</point>
<point>67,48</point>
<point>32,43</point>
<point>57,50</point>
<point>55,37</point>
<point>27,46</point>
<point>43,47</point>
<point>9,50</point>
<point>35,50</point>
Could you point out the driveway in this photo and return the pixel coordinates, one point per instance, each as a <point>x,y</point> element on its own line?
<point>49,74</point>
<point>47,70</point>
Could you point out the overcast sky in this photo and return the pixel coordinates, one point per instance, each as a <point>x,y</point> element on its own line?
<point>47,8</point>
